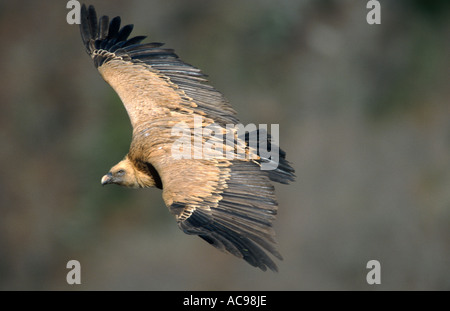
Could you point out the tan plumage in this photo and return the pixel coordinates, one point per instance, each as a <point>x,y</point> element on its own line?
<point>230,203</point>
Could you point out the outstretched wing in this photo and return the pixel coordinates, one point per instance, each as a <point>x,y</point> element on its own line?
<point>230,204</point>
<point>232,207</point>
<point>151,81</point>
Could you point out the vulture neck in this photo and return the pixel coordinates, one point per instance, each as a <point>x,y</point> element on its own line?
<point>145,174</point>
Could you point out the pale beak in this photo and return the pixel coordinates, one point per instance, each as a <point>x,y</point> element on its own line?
<point>107,179</point>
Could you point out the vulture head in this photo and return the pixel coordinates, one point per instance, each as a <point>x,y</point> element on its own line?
<point>126,174</point>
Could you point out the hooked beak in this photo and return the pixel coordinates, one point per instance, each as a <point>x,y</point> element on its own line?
<point>107,179</point>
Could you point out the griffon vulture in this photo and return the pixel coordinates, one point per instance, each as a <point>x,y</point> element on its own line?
<point>230,203</point>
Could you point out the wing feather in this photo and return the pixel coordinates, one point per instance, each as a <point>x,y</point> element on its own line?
<point>236,216</point>
<point>103,28</point>
<point>138,72</point>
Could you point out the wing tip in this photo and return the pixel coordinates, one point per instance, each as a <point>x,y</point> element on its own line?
<point>104,34</point>
<point>229,240</point>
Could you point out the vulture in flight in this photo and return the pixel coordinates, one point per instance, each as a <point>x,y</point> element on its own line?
<point>228,202</point>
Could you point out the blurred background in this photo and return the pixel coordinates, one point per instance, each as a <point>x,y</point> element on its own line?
<point>364,116</point>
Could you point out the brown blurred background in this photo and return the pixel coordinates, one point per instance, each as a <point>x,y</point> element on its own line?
<point>364,116</point>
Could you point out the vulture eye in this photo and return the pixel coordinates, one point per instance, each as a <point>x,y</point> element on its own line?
<point>120,173</point>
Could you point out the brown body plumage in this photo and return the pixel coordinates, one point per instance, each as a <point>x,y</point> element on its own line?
<point>230,203</point>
